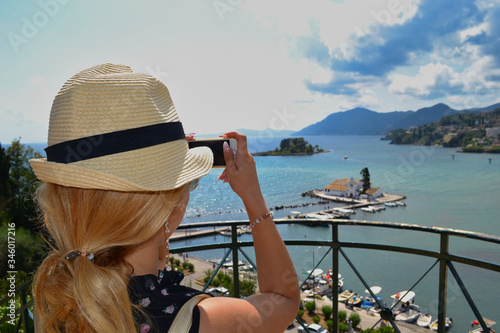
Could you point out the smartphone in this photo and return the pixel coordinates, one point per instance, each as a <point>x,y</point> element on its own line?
<point>216,145</point>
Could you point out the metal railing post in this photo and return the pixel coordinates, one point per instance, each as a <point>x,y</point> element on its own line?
<point>24,313</point>
<point>335,273</point>
<point>443,283</point>
<point>467,296</point>
<point>234,246</point>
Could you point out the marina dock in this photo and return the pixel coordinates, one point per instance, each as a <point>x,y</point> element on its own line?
<point>351,204</point>
<point>367,320</point>
<point>188,233</point>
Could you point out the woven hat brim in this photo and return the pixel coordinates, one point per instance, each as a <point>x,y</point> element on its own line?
<point>196,164</point>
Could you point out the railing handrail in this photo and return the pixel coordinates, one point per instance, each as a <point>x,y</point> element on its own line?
<point>443,256</point>
<point>391,225</point>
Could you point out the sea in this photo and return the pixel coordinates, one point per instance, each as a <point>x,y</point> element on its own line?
<point>443,188</point>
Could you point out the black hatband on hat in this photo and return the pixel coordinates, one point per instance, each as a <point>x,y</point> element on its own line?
<point>115,142</point>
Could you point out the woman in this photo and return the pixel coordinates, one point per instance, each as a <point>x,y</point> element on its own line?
<point>116,183</point>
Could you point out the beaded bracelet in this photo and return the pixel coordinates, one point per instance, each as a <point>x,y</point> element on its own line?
<point>254,223</point>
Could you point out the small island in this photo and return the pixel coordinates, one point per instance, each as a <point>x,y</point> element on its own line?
<point>293,146</point>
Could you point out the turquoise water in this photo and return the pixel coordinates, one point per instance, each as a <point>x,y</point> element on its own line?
<point>460,193</point>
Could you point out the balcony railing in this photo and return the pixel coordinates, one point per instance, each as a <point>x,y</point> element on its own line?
<point>443,258</point>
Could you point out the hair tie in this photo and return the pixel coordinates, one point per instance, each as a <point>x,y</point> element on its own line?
<point>75,254</point>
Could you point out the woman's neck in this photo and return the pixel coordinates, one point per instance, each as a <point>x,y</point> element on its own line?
<point>145,259</point>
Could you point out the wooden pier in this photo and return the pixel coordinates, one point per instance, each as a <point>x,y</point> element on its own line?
<point>352,203</point>
<point>188,233</point>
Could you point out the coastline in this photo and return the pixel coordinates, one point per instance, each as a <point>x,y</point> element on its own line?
<point>273,153</point>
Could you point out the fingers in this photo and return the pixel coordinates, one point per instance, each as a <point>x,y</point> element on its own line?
<point>223,176</point>
<point>241,140</point>
<point>229,158</point>
<point>190,136</point>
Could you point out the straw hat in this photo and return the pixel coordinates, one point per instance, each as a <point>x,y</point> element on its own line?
<point>113,129</point>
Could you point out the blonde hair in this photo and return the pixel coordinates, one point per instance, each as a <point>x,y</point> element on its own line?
<point>86,296</point>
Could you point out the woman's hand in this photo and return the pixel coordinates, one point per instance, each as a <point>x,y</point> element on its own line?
<point>240,171</point>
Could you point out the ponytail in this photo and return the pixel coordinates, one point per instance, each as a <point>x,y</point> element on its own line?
<point>91,294</point>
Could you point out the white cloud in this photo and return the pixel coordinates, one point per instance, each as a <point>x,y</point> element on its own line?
<point>337,22</point>
<point>15,124</point>
<point>429,78</point>
<point>473,31</point>
<point>367,98</point>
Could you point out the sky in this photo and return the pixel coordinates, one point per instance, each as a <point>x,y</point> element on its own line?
<point>253,64</point>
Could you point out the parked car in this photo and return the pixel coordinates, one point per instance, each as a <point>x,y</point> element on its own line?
<point>313,328</point>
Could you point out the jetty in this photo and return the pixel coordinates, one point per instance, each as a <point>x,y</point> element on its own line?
<point>351,204</point>
<point>355,203</point>
<point>189,233</point>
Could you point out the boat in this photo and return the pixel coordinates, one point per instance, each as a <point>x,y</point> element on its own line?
<point>374,310</point>
<point>424,320</point>
<point>345,157</point>
<point>400,203</point>
<point>345,210</point>
<point>410,315</point>
<point>368,209</point>
<point>239,231</point>
<point>368,301</point>
<point>219,291</point>
<point>226,232</point>
<point>354,301</point>
<point>391,204</point>
<point>401,301</point>
<point>479,329</point>
<point>346,295</point>
<point>229,263</point>
<point>434,325</point>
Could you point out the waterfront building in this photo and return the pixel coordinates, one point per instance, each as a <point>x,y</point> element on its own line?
<point>350,188</point>
<point>493,132</point>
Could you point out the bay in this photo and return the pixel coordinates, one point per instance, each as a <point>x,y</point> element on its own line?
<point>443,188</point>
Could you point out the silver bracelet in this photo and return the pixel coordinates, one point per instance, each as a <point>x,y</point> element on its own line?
<point>265,216</point>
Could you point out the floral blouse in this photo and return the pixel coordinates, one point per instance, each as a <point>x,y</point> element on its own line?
<point>161,297</point>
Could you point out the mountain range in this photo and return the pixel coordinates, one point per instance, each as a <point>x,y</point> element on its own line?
<point>361,121</point>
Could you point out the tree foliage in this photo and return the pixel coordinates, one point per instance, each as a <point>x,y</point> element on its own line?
<point>365,179</point>
<point>18,208</point>
<point>17,184</point>
<point>355,319</point>
<point>465,128</point>
<point>327,311</point>
<point>295,146</point>
<point>30,251</point>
